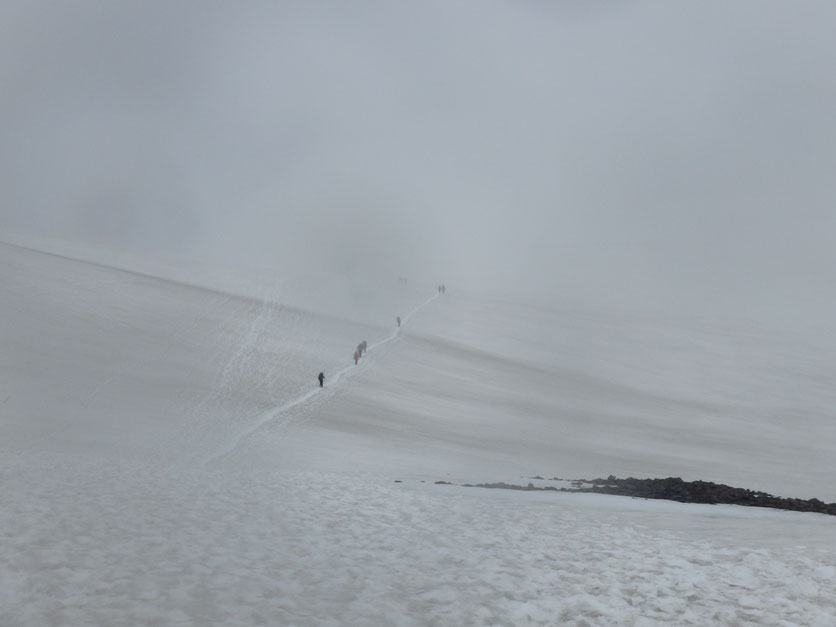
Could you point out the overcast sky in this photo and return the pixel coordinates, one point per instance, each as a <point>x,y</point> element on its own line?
<point>633,151</point>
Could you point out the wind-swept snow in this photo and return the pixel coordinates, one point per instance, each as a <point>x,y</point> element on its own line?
<point>167,457</point>
<point>277,413</point>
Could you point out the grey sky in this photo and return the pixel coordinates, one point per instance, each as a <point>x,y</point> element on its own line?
<point>631,151</point>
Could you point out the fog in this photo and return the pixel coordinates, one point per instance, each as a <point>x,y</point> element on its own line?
<point>631,154</point>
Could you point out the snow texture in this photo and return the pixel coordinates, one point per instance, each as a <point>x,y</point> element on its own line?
<point>168,458</point>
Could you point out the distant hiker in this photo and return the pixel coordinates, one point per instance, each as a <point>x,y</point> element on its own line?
<point>399,321</point>
<point>365,347</point>
<point>443,289</point>
<point>356,357</point>
<point>360,349</point>
<point>321,378</point>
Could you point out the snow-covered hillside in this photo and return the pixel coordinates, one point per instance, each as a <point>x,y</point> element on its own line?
<point>167,456</point>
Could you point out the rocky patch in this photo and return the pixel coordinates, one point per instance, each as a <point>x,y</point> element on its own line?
<point>675,489</point>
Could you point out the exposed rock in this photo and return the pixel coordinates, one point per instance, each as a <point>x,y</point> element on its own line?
<point>675,489</point>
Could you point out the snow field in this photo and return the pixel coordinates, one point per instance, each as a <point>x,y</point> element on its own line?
<point>87,544</point>
<point>167,457</point>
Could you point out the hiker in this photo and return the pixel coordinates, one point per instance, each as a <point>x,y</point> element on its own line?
<point>365,347</point>
<point>321,378</point>
<point>360,349</point>
<point>356,357</point>
<point>399,321</point>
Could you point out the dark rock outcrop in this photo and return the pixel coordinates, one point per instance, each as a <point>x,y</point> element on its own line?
<point>675,489</point>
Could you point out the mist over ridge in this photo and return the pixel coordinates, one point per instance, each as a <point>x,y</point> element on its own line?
<point>642,156</point>
<point>233,392</point>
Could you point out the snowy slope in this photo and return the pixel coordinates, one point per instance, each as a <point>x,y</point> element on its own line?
<point>166,457</point>
<point>513,389</point>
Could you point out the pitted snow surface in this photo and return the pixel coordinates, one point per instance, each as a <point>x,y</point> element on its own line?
<point>123,544</point>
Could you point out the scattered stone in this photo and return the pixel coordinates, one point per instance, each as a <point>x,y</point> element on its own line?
<point>510,486</point>
<point>398,481</point>
<point>443,483</point>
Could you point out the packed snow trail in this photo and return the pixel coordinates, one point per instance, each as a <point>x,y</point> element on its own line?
<point>330,381</point>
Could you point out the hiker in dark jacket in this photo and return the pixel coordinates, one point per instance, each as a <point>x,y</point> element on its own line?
<point>365,347</point>
<point>321,378</point>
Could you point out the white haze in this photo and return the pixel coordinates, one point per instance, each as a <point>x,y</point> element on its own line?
<point>205,204</point>
<point>646,154</point>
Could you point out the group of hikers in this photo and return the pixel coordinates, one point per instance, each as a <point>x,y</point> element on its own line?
<point>362,347</point>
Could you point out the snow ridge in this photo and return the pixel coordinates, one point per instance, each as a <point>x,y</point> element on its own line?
<point>275,413</point>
